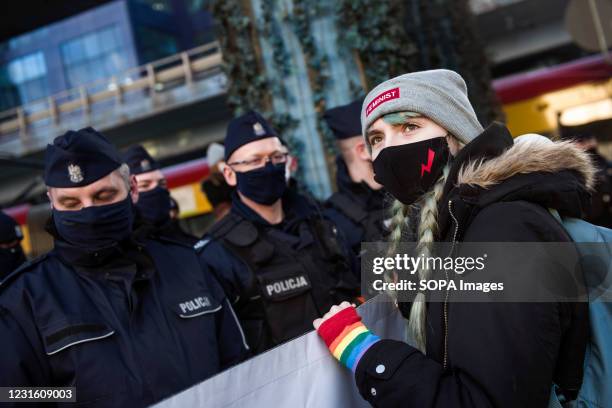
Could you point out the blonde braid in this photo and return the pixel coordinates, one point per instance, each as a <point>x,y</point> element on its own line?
<point>428,227</point>
<point>400,215</point>
<point>426,234</point>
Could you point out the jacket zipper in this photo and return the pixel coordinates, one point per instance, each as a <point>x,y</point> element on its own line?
<point>450,211</point>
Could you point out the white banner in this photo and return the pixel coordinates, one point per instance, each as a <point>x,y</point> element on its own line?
<point>300,373</point>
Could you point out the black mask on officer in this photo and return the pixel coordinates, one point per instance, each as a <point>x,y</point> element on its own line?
<point>264,185</point>
<point>10,259</point>
<point>408,171</point>
<point>154,205</point>
<point>96,227</point>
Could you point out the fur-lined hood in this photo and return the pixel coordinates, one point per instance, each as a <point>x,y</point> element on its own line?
<point>495,168</point>
<point>529,153</point>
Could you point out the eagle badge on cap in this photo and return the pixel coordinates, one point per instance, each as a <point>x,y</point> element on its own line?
<point>145,165</point>
<point>75,173</point>
<point>258,129</point>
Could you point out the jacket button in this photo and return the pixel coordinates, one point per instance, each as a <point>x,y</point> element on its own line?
<point>380,369</point>
<point>373,391</point>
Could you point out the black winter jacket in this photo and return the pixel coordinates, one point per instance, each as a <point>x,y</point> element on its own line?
<point>497,354</point>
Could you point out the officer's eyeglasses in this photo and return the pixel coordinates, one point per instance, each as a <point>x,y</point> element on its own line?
<point>274,158</point>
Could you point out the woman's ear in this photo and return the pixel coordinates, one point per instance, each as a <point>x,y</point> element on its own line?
<point>453,144</point>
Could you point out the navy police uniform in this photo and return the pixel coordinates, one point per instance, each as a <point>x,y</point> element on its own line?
<point>127,324</point>
<point>154,206</point>
<point>358,210</point>
<point>281,276</point>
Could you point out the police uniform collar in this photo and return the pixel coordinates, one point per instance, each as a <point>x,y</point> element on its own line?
<point>246,212</point>
<point>294,205</point>
<point>79,256</point>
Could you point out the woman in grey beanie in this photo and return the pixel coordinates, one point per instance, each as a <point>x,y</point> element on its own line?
<point>455,181</point>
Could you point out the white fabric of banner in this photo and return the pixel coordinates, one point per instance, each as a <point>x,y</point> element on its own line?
<point>299,373</point>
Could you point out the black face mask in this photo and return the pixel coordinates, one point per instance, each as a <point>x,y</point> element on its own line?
<point>217,193</point>
<point>264,185</point>
<point>10,259</point>
<point>154,205</point>
<point>409,171</point>
<point>96,227</point>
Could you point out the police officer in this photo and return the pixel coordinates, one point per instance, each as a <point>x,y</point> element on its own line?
<point>126,322</point>
<point>154,201</point>
<point>358,207</point>
<point>11,253</point>
<point>281,259</point>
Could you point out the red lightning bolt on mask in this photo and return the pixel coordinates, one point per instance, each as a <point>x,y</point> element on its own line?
<point>430,158</point>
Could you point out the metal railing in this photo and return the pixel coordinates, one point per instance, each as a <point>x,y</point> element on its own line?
<point>108,100</point>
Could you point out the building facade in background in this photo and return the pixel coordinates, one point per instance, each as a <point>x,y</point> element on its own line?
<point>96,44</point>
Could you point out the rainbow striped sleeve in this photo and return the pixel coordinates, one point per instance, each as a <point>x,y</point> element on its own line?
<point>347,337</point>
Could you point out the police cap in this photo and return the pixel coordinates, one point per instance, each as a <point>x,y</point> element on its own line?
<point>139,160</point>
<point>345,120</point>
<point>246,129</point>
<point>79,158</point>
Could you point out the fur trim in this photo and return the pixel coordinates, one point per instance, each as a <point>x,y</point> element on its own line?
<point>530,155</point>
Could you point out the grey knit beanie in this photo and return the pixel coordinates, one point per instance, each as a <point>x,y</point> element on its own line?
<point>439,94</point>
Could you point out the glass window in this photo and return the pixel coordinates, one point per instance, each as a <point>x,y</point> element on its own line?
<point>91,47</point>
<point>23,80</point>
<point>15,72</point>
<point>92,56</point>
<point>108,40</point>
